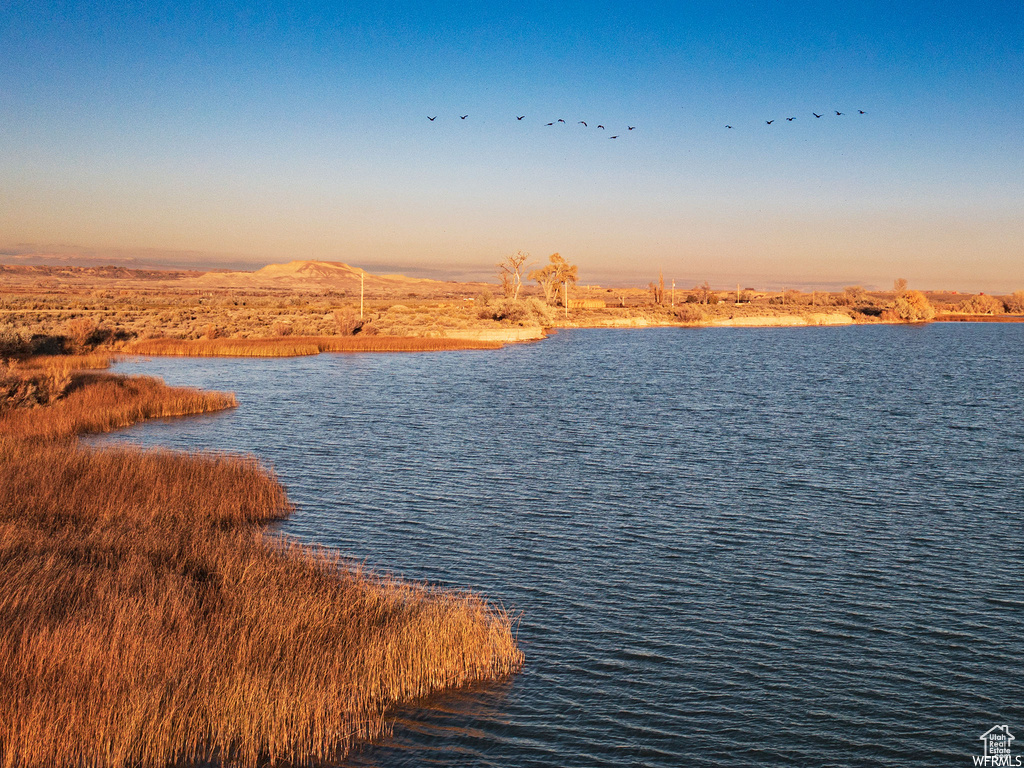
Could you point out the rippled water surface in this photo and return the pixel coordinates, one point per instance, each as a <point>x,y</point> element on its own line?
<point>728,546</point>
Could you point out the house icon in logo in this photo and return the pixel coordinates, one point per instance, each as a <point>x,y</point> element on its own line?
<point>997,741</point>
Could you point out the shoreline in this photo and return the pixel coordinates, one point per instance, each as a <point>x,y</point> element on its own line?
<point>496,338</point>
<point>152,618</point>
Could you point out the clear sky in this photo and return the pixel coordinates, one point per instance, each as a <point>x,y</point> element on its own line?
<point>269,131</point>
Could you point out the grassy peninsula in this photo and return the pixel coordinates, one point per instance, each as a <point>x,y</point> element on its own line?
<point>148,618</point>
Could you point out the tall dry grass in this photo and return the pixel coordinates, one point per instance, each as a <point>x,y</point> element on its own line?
<point>147,619</point>
<point>294,346</point>
<point>100,403</point>
<point>83,362</point>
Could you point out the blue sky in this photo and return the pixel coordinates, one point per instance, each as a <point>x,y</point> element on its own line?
<point>253,133</point>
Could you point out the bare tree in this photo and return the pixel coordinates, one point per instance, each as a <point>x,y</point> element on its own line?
<point>704,293</point>
<point>510,271</point>
<point>899,285</point>
<point>852,294</point>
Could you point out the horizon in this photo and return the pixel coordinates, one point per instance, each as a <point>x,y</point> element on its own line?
<point>226,137</point>
<point>157,265</point>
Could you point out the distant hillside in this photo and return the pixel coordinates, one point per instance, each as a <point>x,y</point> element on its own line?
<point>108,272</point>
<point>326,275</point>
<point>301,276</point>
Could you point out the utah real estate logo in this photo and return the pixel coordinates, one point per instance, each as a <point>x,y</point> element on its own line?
<point>997,741</point>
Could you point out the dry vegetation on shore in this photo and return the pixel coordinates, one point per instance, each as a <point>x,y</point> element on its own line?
<point>307,308</point>
<point>147,619</point>
<point>293,346</point>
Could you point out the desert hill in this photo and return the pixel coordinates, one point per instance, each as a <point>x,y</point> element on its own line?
<point>305,276</point>
<point>323,275</point>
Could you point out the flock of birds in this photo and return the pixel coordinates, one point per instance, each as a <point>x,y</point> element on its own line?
<point>552,123</point>
<point>633,127</point>
<point>791,119</point>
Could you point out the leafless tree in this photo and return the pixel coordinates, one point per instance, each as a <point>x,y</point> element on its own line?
<point>510,271</point>
<point>704,293</point>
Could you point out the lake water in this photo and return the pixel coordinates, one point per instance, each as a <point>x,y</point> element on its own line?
<point>728,547</point>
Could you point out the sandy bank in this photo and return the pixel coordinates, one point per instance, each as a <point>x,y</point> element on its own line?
<point>502,335</point>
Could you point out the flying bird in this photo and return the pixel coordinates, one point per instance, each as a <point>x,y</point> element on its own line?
<point>613,137</point>
<point>601,127</point>
<point>728,126</point>
<point>561,120</point>
<point>790,119</point>
<point>431,119</point>
<point>838,112</point>
<point>815,114</point>
<point>769,121</point>
<point>583,124</point>
<point>631,127</point>
<point>464,116</point>
<point>862,111</point>
<point>520,117</point>
<point>549,123</point>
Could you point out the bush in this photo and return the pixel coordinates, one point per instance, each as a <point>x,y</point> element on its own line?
<point>80,330</point>
<point>1015,303</point>
<point>12,344</point>
<point>689,313</point>
<point>913,306</point>
<point>347,321</point>
<point>523,312</point>
<point>982,305</point>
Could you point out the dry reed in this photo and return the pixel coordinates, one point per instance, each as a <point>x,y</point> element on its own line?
<point>146,618</point>
<point>293,346</point>
<point>102,403</point>
<point>83,362</point>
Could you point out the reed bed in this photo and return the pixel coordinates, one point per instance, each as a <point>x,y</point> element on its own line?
<point>148,619</point>
<point>294,346</point>
<point>101,403</point>
<point>82,362</point>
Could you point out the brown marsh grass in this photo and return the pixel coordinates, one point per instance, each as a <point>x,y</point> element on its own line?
<point>101,403</point>
<point>83,362</point>
<point>292,346</point>
<point>147,619</point>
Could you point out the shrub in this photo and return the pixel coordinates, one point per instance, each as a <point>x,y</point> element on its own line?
<point>80,330</point>
<point>347,321</point>
<point>510,311</point>
<point>689,313</point>
<point>982,304</point>
<point>1015,303</point>
<point>12,344</point>
<point>913,306</point>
